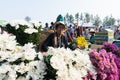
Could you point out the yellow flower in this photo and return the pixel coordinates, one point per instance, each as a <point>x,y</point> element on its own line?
<point>81,41</point>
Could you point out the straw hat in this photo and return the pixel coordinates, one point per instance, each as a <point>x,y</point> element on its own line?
<point>59,23</point>
<point>119,28</point>
<point>92,30</point>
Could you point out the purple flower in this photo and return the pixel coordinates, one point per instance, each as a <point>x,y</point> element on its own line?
<point>105,65</point>
<point>109,47</point>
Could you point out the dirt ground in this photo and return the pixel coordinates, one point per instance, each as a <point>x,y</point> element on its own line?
<point>95,46</point>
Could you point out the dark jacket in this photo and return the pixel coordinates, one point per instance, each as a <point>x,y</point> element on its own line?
<point>92,39</point>
<point>49,42</point>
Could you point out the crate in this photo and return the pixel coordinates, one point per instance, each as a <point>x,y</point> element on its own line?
<point>105,36</point>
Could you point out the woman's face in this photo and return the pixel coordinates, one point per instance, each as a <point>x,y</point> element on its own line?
<point>60,29</point>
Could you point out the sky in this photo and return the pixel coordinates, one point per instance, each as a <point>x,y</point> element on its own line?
<point>48,10</point>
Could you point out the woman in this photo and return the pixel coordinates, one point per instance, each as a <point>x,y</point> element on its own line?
<point>56,39</point>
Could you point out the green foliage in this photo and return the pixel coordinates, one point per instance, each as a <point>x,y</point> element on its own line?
<point>77,17</point>
<point>19,61</point>
<point>22,37</point>
<point>51,72</point>
<point>87,17</point>
<point>16,62</point>
<point>97,21</point>
<point>2,62</point>
<point>19,74</point>
<point>36,58</point>
<point>109,21</point>
<point>81,16</point>
<point>69,18</point>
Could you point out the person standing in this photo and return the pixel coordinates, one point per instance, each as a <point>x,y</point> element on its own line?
<point>92,37</point>
<point>46,27</point>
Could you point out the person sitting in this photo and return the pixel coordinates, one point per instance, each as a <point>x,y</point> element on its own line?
<point>56,39</point>
<point>92,38</point>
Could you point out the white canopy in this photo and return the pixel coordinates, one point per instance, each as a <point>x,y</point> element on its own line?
<point>87,25</point>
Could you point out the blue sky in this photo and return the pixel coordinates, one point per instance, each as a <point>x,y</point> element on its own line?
<point>48,10</point>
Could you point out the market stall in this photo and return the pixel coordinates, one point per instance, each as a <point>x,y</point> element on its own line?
<point>106,36</point>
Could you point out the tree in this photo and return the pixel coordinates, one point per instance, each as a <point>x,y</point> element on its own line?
<point>65,21</point>
<point>92,18</point>
<point>27,18</point>
<point>118,22</point>
<point>96,20</point>
<point>87,17</point>
<point>71,19</point>
<point>108,21</point>
<point>67,18</point>
<point>77,17</point>
<point>81,17</point>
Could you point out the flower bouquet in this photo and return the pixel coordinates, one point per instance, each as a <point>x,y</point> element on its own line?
<point>64,64</point>
<point>105,65</point>
<point>116,52</point>
<point>19,62</point>
<point>79,42</point>
<point>24,31</point>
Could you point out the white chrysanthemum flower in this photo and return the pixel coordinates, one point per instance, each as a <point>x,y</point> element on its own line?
<point>21,78</point>
<point>5,55</point>
<point>29,55</point>
<point>74,74</point>
<point>36,70</point>
<point>22,68</point>
<point>7,73</point>
<point>11,45</point>
<point>28,46</point>
<point>70,63</point>
<point>40,55</point>
<point>62,74</point>
<point>7,42</point>
<point>29,52</point>
<point>30,30</point>
<point>37,24</point>
<point>17,27</point>
<point>18,49</point>
<point>13,22</point>
<point>54,62</point>
<point>12,75</point>
<point>15,56</point>
<point>4,68</point>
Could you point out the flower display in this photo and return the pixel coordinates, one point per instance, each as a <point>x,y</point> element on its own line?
<point>19,62</point>
<point>65,64</point>
<point>105,65</point>
<point>24,63</point>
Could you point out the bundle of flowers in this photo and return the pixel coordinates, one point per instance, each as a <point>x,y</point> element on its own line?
<point>116,51</point>
<point>24,31</point>
<point>19,63</point>
<point>81,41</point>
<point>109,47</point>
<point>105,65</point>
<point>64,64</point>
